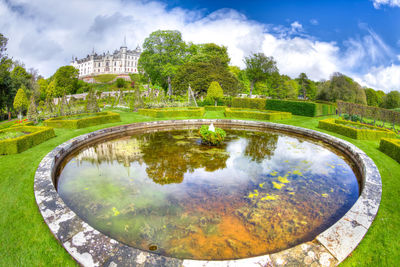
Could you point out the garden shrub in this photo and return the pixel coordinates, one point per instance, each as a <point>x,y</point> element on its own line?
<point>256,114</point>
<point>214,108</point>
<point>213,138</point>
<point>391,147</point>
<point>255,103</point>
<point>301,108</point>
<point>355,130</point>
<point>36,136</point>
<point>173,112</point>
<point>93,119</point>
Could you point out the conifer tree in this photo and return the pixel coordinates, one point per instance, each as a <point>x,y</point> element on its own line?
<point>20,102</point>
<point>32,110</point>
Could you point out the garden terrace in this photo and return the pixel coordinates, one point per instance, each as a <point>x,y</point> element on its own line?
<point>82,120</point>
<point>256,114</point>
<point>391,147</point>
<point>173,112</point>
<point>17,139</point>
<point>355,130</point>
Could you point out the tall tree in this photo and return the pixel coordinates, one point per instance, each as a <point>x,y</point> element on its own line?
<point>163,52</point>
<point>307,87</point>
<point>66,80</point>
<point>214,92</point>
<point>3,46</point>
<point>210,53</point>
<point>258,67</point>
<point>391,100</point>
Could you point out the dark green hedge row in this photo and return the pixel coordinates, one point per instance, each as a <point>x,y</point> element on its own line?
<point>215,108</point>
<point>343,128</point>
<point>255,103</point>
<point>391,147</point>
<point>96,119</point>
<point>256,114</point>
<point>36,136</point>
<point>301,108</point>
<point>172,112</point>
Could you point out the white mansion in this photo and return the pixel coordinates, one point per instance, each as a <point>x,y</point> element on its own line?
<point>121,62</point>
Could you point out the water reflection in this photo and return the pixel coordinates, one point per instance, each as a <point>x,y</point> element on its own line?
<point>258,193</point>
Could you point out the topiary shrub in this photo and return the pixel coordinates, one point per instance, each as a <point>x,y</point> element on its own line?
<point>214,92</point>
<point>120,83</point>
<point>301,108</point>
<point>82,120</point>
<point>172,112</point>
<point>213,138</point>
<point>390,147</point>
<point>256,103</point>
<point>256,114</point>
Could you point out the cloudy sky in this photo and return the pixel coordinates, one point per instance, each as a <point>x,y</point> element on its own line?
<point>360,38</point>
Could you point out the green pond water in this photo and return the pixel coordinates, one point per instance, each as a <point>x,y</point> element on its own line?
<point>165,192</point>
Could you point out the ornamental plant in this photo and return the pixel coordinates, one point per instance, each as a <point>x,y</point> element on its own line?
<point>213,138</point>
<point>20,102</point>
<point>215,92</point>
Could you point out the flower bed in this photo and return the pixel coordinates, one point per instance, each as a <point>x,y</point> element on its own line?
<point>256,114</point>
<point>173,112</point>
<point>391,147</point>
<point>82,120</point>
<point>31,136</point>
<point>355,130</point>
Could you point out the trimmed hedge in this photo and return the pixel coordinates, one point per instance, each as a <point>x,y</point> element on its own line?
<point>391,147</point>
<point>215,108</point>
<point>172,112</point>
<point>254,103</point>
<point>257,114</point>
<point>16,145</point>
<point>343,127</point>
<point>97,118</point>
<point>301,108</point>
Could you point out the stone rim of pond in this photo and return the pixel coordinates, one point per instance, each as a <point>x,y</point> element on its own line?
<point>89,247</point>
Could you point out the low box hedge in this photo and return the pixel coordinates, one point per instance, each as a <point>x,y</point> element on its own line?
<point>391,147</point>
<point>173,112</point>
<point>302,108</point>
<point>346,128</point>
<point>256,114</point>
<point>36,136</point>
<point>253,103</point>
<point>215,108</point>
<point>70,123</point>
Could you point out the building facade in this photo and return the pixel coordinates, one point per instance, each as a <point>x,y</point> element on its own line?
<point>122,62</point>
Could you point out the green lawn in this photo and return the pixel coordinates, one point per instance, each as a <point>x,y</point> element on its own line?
<point>25,239</point>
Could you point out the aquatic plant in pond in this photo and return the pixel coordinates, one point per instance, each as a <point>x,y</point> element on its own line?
<point>258,192</point>
<point>211,135</point>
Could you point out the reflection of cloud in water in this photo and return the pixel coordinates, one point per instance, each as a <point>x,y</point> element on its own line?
<point>291,152</point>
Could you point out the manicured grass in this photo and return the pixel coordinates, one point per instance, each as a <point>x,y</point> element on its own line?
<point>25,239</point>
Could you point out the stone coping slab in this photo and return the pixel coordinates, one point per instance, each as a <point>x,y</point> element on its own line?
<point>89,247</point>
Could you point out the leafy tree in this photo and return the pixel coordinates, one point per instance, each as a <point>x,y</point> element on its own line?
<point>66,80</point>
<point>307,87</point>
<point>120,83</point>
<point>391,100</point>
<point>200,75</point>
<point>341,87</point>
<point>163,52</point>
<point>242,78</point>
<point>20,101</point>
<point>210,53</point>
<point>42,84</point>
<point>3,46</point>
<point>214,92</point>
<point>258,67</point>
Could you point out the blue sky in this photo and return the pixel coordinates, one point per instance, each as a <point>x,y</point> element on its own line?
<point>358,38</point>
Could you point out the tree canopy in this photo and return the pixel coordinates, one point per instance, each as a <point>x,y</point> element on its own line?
<point>391,100</point>
<point>258,67</point>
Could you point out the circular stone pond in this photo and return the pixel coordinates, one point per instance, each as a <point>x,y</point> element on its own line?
<point>153,193</point>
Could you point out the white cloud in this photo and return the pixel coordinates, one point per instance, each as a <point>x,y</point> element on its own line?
<point>391,3</point>
<point>314,22</point>
<point>45,34</point>
<point>384,78</point>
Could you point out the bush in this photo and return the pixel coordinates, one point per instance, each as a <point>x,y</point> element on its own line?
<point>70,123</point>
<point>120,83</point>
<point>301,108</point>
<point>215,108</point>
<point>214,92</point>
<point>225,101</point>
<point>36,136</point>
<point>256,114</point>
<point>391,147</point>
<point>349,129</point>
<point>172,112</point>
<point>212,138</point>
<point>256,103</point>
